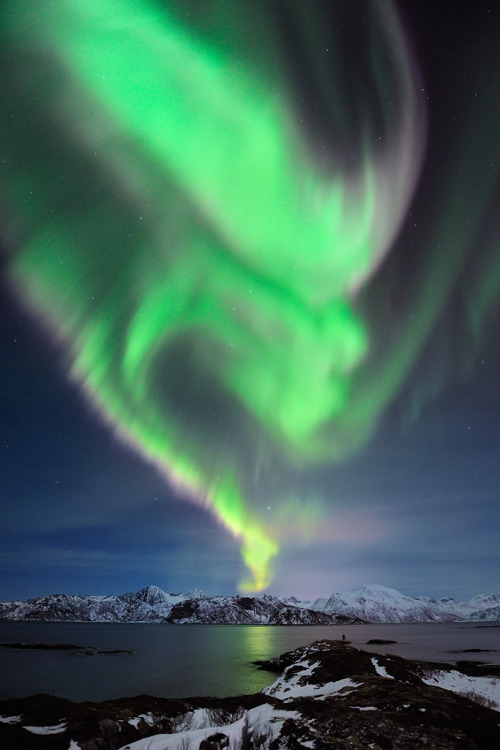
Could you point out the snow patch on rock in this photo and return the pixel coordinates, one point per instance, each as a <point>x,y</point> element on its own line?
<point>381,670</point>
<point>10,719</point>
<point>57,729</point>
<point>148,718</point>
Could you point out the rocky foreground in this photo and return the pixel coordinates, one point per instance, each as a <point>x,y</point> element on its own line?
<point>326,695</point>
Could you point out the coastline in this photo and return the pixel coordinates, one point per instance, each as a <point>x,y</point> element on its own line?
<point>325,689</point>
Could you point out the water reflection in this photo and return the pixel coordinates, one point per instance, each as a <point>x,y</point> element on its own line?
<point>178,661</point>
<point>258,642</point>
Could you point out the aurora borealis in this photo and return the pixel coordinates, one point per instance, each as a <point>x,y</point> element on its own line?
<point>252,238</point>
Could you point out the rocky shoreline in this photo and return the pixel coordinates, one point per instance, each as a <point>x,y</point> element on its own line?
<point>327,695</point>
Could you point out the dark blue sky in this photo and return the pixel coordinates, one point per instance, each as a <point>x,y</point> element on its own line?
<point>417,508</point>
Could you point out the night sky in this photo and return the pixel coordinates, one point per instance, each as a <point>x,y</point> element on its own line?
<point>250,276</point>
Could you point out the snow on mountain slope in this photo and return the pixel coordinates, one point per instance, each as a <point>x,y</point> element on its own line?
<point>377,603</point>
<point>249,610</point>
<point>484,607</point>
<point>481,607</point>
<point>372,603</point>
<point>151,604</point>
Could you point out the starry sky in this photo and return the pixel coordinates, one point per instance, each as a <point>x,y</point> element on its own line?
<point>249,296</point>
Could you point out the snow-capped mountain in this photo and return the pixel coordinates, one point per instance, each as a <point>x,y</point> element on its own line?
<point>481,607</point>
<point>151,604</point>
<point>376,603</point>
<point>372,603</point>
<point>266,610</point>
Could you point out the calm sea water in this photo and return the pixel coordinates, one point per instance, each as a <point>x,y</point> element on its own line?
<point>177,661</point>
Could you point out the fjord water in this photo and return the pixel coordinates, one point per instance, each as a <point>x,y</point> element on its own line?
<point>177,661</point>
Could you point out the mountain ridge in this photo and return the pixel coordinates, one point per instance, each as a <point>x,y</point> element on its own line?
<point>368,603</point>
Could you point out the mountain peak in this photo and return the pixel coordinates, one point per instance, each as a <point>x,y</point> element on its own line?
<point>196,594</point>
<point>152,595</point>
<point>369,603</point>
<point>376,590</point>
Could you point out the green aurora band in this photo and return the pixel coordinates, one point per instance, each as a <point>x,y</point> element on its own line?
<point>201,253</point>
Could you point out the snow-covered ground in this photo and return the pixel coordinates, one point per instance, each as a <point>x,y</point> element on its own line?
<point>56,729</point>
<point>294,683</point>
<point>263,723</point>
<point>487,687</point>
<point>380,670</point>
